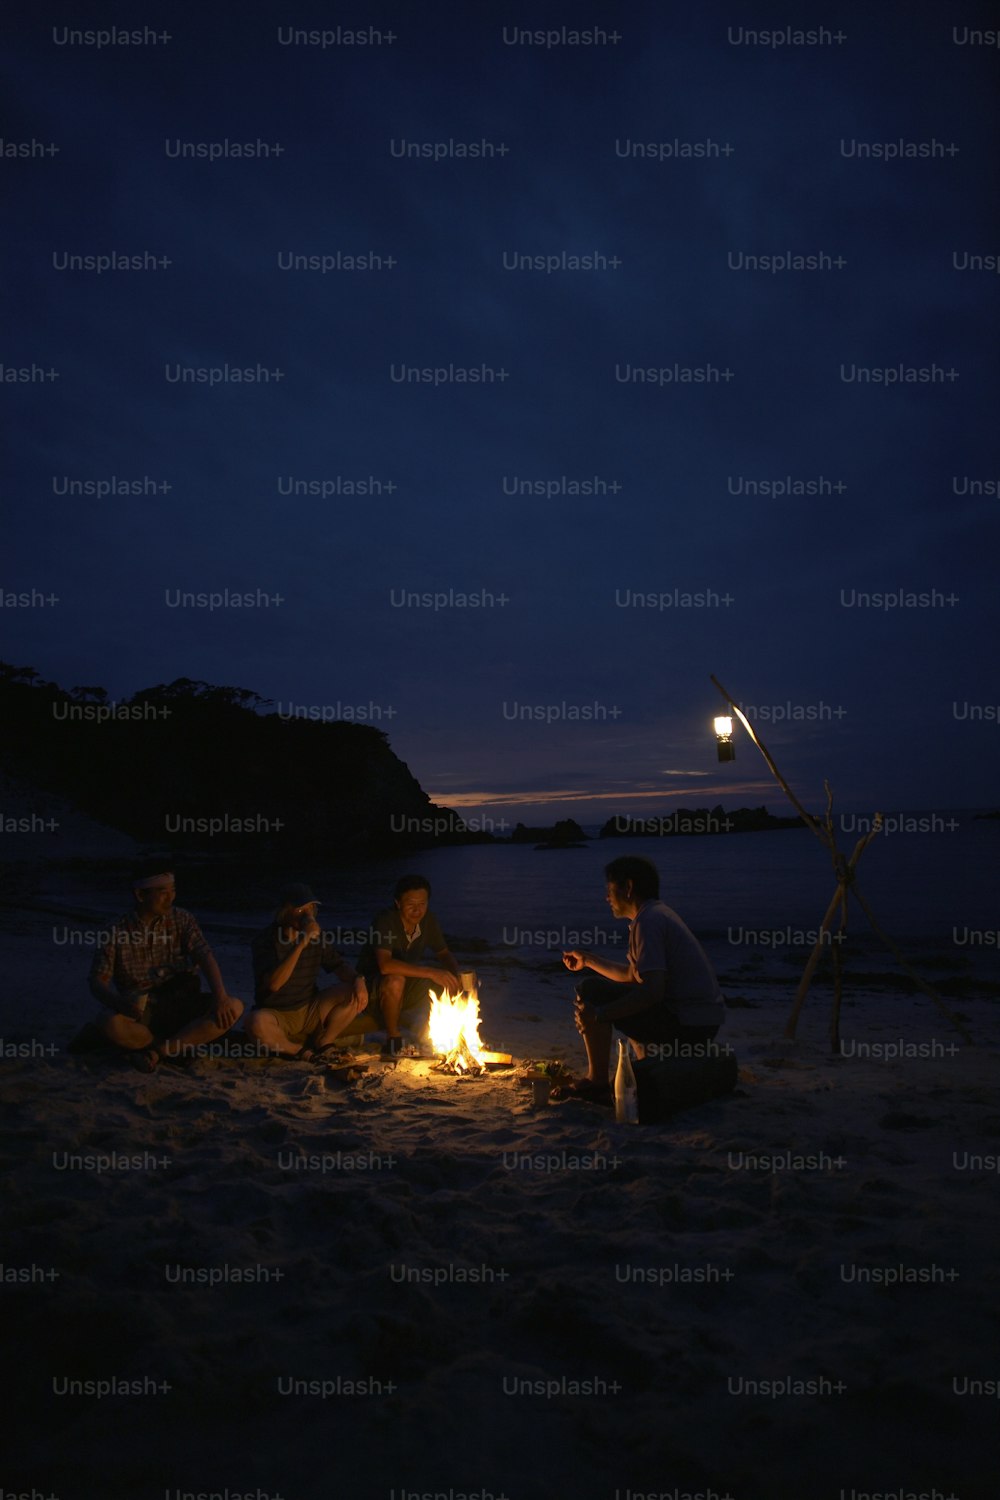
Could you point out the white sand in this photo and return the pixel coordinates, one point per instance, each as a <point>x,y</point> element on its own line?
<point>451,1196</point>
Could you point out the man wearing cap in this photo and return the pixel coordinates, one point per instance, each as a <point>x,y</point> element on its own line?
<point>145,974</point>
<point>292,1015</point>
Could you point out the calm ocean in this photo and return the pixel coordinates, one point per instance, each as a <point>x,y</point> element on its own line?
<point>931,888</point>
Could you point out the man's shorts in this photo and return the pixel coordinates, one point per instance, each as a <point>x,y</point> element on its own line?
<point>416,1005</point>
<point>302,1022</point>
<point>657,1024</point>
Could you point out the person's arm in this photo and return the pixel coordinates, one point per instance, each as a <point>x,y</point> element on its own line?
<point>446,979</point>
<point>227,1009</point>
<point>645,992</point>
<point>280,976</point>
<point>100,984</point>
<point>646,972</point>
<point>447,960</point>
<point>576,959</point>
<point>105,995</point>
<point>210,969</point>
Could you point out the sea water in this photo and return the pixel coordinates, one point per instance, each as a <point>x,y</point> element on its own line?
<point>928,887</point>
<point>749,897</point>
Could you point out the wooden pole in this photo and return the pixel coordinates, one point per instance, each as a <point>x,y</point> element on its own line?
<point>838,974</point>
<point>844,876</point>
<point>810,968</point>
<point>810,822</point>
<point>844,870</point>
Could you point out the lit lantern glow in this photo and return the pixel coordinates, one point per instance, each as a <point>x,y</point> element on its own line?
<point>724,738</point>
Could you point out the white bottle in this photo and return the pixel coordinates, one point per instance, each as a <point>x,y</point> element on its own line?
<point>626,1092</point>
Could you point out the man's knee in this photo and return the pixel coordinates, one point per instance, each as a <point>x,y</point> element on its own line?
<point>592,989</point>
<point>122,1031</point>
<point>113,1025</point>
<point>256,1022</point>
<point>391,985</point>
<point>207,1017</point>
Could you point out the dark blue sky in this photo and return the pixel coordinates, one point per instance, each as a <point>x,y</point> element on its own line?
<point>897,704</point>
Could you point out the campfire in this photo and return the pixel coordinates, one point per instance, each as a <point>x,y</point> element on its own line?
<point>454,1032</point>
<point>454,1035</point>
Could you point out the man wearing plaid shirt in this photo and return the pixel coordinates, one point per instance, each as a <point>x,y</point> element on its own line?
<point>145,974</point>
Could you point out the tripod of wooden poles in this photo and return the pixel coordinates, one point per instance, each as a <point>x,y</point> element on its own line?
<point>844,868</point>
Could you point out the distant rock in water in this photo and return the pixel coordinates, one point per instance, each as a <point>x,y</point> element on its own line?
<point>189,766</point>
<point>566,834</point>
<point>682,823</point>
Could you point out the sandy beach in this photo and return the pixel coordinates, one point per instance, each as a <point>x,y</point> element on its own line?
<point>505,489</point>
<point>236,1280</point>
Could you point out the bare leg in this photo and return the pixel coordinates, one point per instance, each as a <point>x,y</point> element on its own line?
<point>195,1034</point>
<point>339,1008</point>
<point>133,1036</point>
<point>124,1032</point>
<point>390,993</point>
<point>597,1040</point>
<point>263,1026</point>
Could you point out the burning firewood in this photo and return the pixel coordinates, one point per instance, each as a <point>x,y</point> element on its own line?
<point>461,1059</point>
<point>454,1035</point>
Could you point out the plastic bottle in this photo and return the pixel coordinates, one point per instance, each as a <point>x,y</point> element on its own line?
<point>626,1092</point>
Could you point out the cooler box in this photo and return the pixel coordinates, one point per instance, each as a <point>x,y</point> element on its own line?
<point>666,1086</point>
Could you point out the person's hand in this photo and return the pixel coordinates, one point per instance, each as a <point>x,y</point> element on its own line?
<point>360,994</point>
<point>446,981</point>
<point>311,930</point>
<point>574,960</point>
<point>135,1009</point>
<point>226,1012</point>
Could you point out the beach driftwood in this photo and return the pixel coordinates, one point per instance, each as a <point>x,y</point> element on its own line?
<point>844,869</point>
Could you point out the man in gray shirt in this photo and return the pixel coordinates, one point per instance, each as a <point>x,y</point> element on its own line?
<point>666,992</point>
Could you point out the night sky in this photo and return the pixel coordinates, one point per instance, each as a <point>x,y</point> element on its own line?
<point>751,151</point>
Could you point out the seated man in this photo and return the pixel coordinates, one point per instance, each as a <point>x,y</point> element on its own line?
<point>391,961</point>
<point>291,1014</point>
<point>145,975</point>
<point>667,992</point>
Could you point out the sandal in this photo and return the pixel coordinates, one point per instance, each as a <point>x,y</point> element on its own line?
<point>144,1059</point>
<point>321,1054</point>
<point>587,1091</point>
